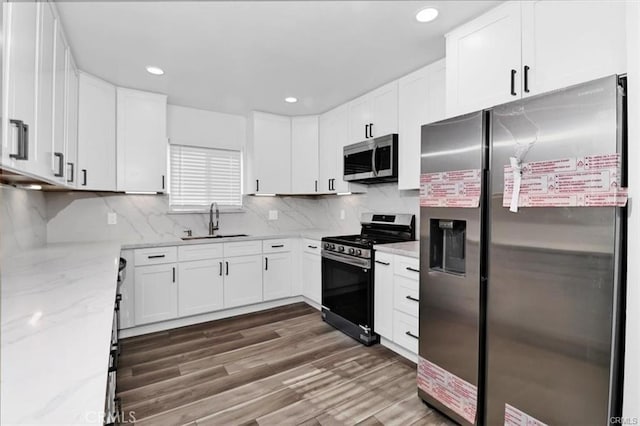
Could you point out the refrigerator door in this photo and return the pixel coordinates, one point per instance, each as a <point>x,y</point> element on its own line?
<point>553,271</point>
<point>450,253</point>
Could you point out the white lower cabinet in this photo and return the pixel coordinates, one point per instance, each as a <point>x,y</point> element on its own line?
<point>383,295</point>
<point>200,288</point>
<point>242,280</point>
<point>277,275</point>
<point>156,293</point>
<point>312,271</point>
<point>405,331</point>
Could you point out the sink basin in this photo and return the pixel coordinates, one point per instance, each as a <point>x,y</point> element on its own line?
<point>209,237</point>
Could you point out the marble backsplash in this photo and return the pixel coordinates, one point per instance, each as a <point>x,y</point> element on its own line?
<point>23,222</point>
<point>82,216</point>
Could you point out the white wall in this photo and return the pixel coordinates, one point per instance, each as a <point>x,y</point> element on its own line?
<point>632,355</point>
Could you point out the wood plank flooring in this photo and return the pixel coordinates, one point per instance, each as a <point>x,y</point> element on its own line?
<point>282,366</point>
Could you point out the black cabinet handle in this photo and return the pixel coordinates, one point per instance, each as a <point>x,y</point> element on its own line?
<point>409,268</point>
<point>220,268</point>
<point>383,263</point>
<point>313,247</point>
<point>84,177</point>
<point>316,186</point>
<point>526,78</point>
<point>513,83</point>
<point>71,172</point>
<point>23,140</point>
<point>162,181</point>
<point>408,333</point>
<point>277,246</point>
<point>366,131</point>
<point>115,355</point>
<point>60,157</point>
<point>370,130</point>
<point>412,298</point>
<point>174,274</point>
<point>266,263</point>
<point>155,256</point>
<point>227,266</point>
<point>257,185</point>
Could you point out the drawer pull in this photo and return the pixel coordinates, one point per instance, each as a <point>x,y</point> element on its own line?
<point>156,256</point>
<point>383,263</point>
<point>412,298</point>
<point>408,333</point>
<point>409,268</point>
<point>277,246</point>
<point>313,247</point>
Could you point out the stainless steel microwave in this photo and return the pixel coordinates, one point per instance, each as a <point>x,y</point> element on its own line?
<point>372,161</point>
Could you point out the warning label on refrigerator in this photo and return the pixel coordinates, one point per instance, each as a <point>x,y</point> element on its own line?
<point>459,188</point>
<point>592,181</point>
<point>515,417</point>
<point>447,388</point>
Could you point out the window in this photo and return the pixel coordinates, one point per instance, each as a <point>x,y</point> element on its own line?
<point>200,176</point>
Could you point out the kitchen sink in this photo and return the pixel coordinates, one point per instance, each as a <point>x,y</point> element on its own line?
<point>208,237</point>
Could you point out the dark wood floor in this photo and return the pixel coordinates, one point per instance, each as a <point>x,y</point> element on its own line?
<point>284,366</point>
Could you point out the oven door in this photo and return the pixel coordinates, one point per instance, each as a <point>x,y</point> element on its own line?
<point>347,288</point>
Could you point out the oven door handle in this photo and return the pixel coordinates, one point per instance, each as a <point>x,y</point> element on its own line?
<point>349,260</point>
<point>374,157</point>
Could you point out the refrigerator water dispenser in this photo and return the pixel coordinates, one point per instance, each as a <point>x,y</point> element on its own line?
<point>448,239</point>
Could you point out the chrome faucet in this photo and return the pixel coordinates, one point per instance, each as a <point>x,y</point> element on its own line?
<point>212,227</point>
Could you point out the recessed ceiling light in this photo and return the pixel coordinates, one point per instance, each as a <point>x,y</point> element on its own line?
<point>427,15</point>
<point>291,100</point>
<point>154,70</point>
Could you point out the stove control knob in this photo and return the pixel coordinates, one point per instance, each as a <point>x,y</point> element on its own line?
<point>340,248</point>
<point>327,246</point>
<point>333,246</point>
<point>359,252</point>
<point>352,251</point>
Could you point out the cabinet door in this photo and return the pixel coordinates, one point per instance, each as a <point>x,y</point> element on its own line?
<point>272,153</point>
<point>277,275</point>
<point>156,293</point>
<point>413,113</point>
<point>437,85</point>
<point>201,286</point>
<point>57,166</point>
<point>71,118</point>
<point>570,42</point>
<point>360,116</point>
<point>304,155</point>
<point>384,102</point>
<point>21,20</point>
<point>481,56</point>
<point>141,141</point>
<point>96,134</point>
<point>242,280</point>
<point>333,127</point>
<point>44,100</point>
<point>383,295</point>
<point>312,277</point>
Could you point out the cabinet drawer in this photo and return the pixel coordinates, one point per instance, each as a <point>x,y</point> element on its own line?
<point>242,248</point>
<point>200,252</point>
<point>407,267</point>
<point>405,331</point>
<point>311,246</point>
<point>276,246</point>
<point>405,295</point>
<point>155,256</point>
<point>384,259</point>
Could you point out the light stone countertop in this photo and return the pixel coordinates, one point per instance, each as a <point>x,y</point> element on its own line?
<point>408,248</point>
<point>57,312</point>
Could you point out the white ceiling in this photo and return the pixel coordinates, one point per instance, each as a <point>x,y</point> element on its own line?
<point>236,56</point>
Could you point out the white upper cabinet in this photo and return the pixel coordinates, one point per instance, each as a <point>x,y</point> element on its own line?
<point>421,101</point>
<point>141,141</point>
<point>18,124</point>
<point>483,61</point>
<point>304,155</point>
<point>568,42</point>
<point>58,147</point>
<point>71,118</point>
<point>374,114</point>
<point>521,49</point>
<point>45,84</point>
<point>96,134</point>
<point>271,153</point>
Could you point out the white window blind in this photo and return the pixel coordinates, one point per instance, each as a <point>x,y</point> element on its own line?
<point>200,176</point>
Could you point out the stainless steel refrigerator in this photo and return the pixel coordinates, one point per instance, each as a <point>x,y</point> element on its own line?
<point>523,260</point>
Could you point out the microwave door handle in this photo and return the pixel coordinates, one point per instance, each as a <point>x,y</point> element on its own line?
<point>374,158</point>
